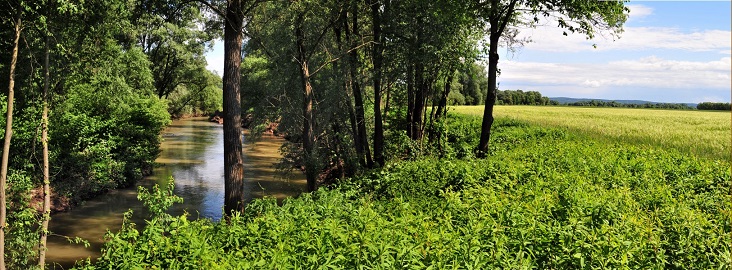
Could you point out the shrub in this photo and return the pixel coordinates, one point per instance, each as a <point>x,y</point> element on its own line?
<point>543,199</point>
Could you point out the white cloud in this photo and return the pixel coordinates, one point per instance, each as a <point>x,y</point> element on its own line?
<point>647,72</point>
<point>546,36</point>
<point>710,99</point>
<point>639,11</point>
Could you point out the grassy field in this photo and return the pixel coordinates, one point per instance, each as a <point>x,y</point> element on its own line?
<point>702,133</point>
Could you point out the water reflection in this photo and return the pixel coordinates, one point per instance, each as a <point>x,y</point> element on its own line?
<point>192,153</point>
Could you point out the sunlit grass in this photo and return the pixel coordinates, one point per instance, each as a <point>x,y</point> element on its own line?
<point>701,133</point>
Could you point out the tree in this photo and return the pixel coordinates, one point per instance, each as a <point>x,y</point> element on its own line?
<point>46,175</point>
<point>104,116</point>
<point>377,59</point>
<point>314,54</point>
<point>233,163</point>
<point>305,51</point>
<point>202,94</point>
<point>8,136</point>
<point>173,34</point>
<point>583,17</point>
<point>432,38</point>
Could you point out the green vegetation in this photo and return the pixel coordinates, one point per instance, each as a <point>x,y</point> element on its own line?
<point>615,104</point>
<point>104,116</point>
<point>518,97</point>
<point>716,106</point>
<point>704,134</point>
<point>350,84</point>
<point>545,198</point>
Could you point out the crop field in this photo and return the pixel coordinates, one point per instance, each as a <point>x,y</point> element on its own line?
<point>702,133</point>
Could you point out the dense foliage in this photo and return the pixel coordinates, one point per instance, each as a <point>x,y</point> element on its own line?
<point>104,121</point>
<point>615,104</point>
<point>519,97</point>
<point>545,198</point>
<point>716,106</point>
<point>340,79</point>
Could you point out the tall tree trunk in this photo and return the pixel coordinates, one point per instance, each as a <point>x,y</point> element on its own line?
<point>410,99</point>
<point>388,101</point>
<point>6,145</point>
<point>377,60</point>
<point>442,111</point>
<point>498,18</point>
<point>352,118</point>
<point>308,140</point>
<point>419,100</point>
<point>350,75</point>
<point>233,163</point>
<point>442,106</point>
<point>347,98</point>
<point>336,127</point>
<point>46,176</point>
<point>428,92</point>
<point>490,100</point>
<point>362,135</point>
<point>347,84</point>
<point>432,96</point>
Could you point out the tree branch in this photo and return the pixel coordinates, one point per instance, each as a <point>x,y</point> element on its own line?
<point>339,57</point>
<point>507,16</point>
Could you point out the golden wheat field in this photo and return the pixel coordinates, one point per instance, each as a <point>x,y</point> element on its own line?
<point>702,133</point>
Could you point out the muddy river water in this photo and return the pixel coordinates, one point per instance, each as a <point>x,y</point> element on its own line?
<point>191,153</point>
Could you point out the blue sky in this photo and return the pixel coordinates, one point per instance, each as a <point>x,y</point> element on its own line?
<point>670,51</point>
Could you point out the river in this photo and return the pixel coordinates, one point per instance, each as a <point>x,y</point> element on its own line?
<point>193,154</point>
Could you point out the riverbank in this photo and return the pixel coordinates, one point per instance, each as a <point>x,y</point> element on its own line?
<point>63,203</point>
<point>192,153</point>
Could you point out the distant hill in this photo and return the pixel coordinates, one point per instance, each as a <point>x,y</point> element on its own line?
<point>565,100</point>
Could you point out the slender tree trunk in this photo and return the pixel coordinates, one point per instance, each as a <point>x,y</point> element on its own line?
<point>490,101</point>
<point>346,84</point>
<point>360,114</point>
<point>388,101</point>
<point>336,127</point>
<point>308,141</point>
<point>498,18</point>
<point>441,113</point>
<point>377,60</point>
<point>410,99</point>
<point>428,89</point>
<point>233,163</point>
<point>419,99</point>
<point>351,75</point>
<point>442,106</point>
<point>352,120</point>
<point>432,100</point>
<point>46,177</point>
<point>6,145</point>
<point>358,94</point>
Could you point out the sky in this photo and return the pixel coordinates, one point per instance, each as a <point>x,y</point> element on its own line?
<point>670,51</point>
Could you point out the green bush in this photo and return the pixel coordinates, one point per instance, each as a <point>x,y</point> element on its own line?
<point>543,199</point>
<point>105,133</point>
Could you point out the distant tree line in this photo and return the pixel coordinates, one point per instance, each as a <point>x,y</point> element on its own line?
<point>519,97</point>
<point>717,106</point>
<point>648,105</point>
<point>471,86</point>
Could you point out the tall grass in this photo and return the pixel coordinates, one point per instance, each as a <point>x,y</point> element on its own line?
<point>701,133</point>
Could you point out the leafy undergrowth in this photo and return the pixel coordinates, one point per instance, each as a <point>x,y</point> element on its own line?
<point>543,199</point>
